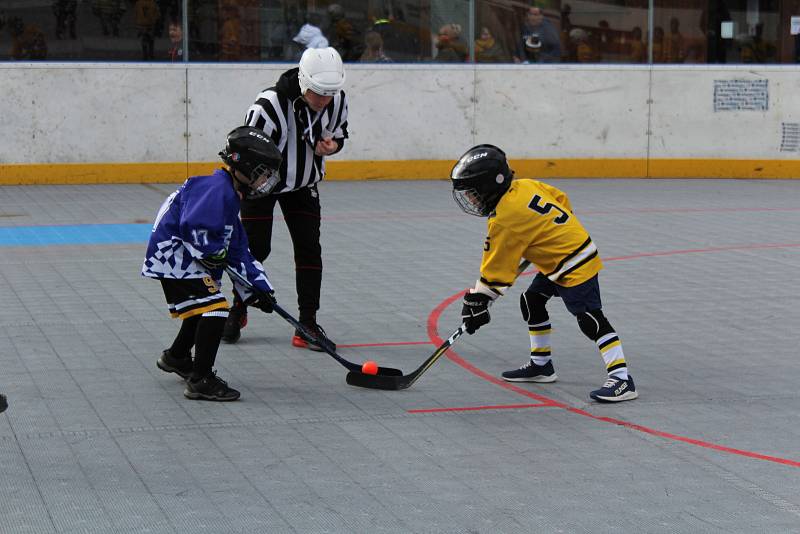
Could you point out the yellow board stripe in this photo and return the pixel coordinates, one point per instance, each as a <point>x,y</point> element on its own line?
<point>176,172</point>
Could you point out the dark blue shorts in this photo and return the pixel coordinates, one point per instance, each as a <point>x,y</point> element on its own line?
<point>577,299</point>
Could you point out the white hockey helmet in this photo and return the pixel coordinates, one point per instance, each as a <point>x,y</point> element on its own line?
<point>322,71</point>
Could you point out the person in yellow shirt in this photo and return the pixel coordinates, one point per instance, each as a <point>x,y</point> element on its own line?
<point>533,221</point>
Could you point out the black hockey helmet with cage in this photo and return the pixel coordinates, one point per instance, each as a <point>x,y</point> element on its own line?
<point>249,151</point>
<point>480,177</point>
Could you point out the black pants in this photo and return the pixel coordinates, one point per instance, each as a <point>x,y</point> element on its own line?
<point>301,210</point>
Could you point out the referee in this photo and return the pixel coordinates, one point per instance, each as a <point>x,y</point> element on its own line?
<point>305,114</point>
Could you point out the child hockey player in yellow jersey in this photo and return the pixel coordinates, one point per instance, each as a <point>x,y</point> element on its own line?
<point>531,220</point>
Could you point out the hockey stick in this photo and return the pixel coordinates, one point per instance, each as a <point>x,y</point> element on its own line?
<point>356,378</point>
<point>323,343</point>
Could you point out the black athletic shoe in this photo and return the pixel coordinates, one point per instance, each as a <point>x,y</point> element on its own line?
<point>530,372</point>
<point>316,330</point>
<point>211,388</point>
<point>170,364</point>
<point>615,390</point>
<point>237,319</point>
<point>3,403</point>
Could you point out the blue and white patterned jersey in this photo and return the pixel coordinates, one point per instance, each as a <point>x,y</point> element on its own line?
<point>200,220</point>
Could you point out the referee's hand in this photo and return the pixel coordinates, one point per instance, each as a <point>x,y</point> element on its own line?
<point>326,147</point>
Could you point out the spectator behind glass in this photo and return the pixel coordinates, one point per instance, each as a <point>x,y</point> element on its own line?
<point>176,41</point>
<point>373,50</point>
<point>638,52</point>
<point>310,35</point>
<point>658,44</point>
<point>400,40</point>
<point>451,49</point>
<point>538,41</point>
<point>345,37</point>
<point>674,46</point>
<point>602,39</point>
<point>168,10</point>
<point>109,12</point>
<point>230,35</point>
<point>566,26</point>
<point>755,49</point>
<point>797,48</point>
<point>65,12</point>
<point>146,16</point>
<point>27,40</point>
<point>581,49</point>
<point>488,50</point>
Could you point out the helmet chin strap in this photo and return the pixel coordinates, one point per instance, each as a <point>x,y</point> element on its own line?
<point>241,186</point>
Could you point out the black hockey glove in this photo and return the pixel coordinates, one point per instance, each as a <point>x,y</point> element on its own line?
<point>475,311</point>
<point>263,302</point>
<point>215,261</point>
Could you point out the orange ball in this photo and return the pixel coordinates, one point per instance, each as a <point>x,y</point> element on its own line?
<point>369,368</point>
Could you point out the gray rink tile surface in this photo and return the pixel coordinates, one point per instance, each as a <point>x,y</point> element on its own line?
<point>700,282</point>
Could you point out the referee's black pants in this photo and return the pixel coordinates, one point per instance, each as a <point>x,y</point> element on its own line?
<point>301,211</point>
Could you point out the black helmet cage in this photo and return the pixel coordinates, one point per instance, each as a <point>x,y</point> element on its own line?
<point>252,153</point>
<point>480,177</point>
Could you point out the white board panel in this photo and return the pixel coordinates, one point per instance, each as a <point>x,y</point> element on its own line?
<point>563,113</point>
<point>92,113</point>
<point>722,113</point>
<point>404,112</point>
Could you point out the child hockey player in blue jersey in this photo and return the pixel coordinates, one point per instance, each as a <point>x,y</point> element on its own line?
<point>196,234</point>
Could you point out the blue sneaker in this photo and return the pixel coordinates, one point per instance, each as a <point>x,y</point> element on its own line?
<point>615,390</point>
<point>530,372</point>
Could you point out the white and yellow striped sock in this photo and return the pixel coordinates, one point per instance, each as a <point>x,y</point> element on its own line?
<point>611,349</point>
<point>540,342</point>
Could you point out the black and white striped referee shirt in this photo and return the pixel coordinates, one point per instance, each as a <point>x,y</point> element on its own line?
<point>295,128</point>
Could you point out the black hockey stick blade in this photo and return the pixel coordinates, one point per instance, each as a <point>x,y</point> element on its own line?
<point>322,342</point>
<point>359,379</point>
<point>325,344</point>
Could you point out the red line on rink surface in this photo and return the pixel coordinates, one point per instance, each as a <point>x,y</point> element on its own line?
<point>433,319</point>
<point>476,408</point>
<point>393,344</point>
<point>390,215</point>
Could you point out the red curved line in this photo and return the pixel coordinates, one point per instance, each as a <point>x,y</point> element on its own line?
<point>433,319</point>
<point>476,408</point>
<point>392,344</point>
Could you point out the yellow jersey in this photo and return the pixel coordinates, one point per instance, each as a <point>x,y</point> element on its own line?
<point>534,220</point>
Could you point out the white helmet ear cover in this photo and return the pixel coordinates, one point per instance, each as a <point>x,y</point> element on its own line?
<point>322,71</point>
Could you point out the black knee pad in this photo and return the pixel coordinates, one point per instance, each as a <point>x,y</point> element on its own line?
<point>533,308</point>
<point>594,324</point>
